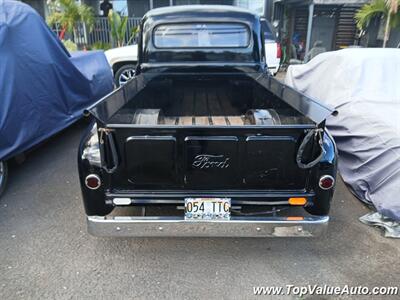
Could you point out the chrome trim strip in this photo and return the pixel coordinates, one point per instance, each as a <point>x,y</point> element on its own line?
<point>122,226</point>
<point>182,201</point>
<point>214,193</point>
<point>151,137</point>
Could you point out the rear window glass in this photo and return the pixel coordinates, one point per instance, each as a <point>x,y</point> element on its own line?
<point>201,35</point>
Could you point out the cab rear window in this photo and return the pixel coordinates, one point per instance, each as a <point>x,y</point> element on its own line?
<point>201,35</point>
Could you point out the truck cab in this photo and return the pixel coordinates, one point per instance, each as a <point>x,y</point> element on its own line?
<point>203,141</point>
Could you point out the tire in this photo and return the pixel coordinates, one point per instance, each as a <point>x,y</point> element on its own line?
<point>124,74</point>
<point>3,176</point>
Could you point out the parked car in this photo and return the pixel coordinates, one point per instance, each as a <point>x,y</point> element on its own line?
<point>363,86</point>
<point>123,60</point>
<point>203,141</point>
<point>55,89</point>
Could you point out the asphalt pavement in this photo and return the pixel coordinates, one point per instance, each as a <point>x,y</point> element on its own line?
<point>46,253</point>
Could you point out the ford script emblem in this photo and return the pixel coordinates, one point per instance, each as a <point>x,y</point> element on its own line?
<point>206,161</point>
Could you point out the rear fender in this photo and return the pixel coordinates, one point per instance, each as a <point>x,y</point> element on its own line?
<point>327,166</point>
<point>94,200</point>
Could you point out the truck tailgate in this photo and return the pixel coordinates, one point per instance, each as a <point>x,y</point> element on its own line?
<point>220,158</point>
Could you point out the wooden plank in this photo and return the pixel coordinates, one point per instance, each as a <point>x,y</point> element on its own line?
<point>235,121</point>
<point>200,103</point>
<point>203,121</point>
<point>218,121</point>
<point>213,104</point>
<point>185,121</point>
<point>225,103</point>
<point>175,103</point>
<point>187,103</point>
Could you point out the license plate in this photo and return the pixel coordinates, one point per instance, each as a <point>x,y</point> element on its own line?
<point>207,209</point>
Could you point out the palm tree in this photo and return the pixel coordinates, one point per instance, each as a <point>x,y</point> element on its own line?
<point>68,14</point>
<point>119,27</point>
<point>389,9</point>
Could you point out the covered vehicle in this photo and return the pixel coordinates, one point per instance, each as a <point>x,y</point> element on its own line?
<point>43,88</point>
<point>363,86</point>
<point>203,141</point>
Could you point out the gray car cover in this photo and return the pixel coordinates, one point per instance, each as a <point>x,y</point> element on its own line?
<point>364,87</point>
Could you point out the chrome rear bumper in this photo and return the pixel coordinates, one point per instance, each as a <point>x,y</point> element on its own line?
<point>178,227</point>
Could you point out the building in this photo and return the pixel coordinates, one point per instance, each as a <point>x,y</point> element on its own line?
<point>329,21</point>
<point>299,21</point>
<point>137,8</point>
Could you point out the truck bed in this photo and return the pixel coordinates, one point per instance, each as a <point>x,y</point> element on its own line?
<point>217,102</point>
<point>198,132</point>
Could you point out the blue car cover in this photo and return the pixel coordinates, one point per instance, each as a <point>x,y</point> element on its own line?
<point>43,89</point>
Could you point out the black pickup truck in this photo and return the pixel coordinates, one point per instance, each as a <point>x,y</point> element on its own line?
<point>203,141</point>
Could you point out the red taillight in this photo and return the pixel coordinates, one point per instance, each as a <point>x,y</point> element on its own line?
<point>278,51</point>
<point>93,181</point>
<point>326,182</point>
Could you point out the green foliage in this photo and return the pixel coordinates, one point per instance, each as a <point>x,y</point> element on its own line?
<point>379,8</point>
<point>119,26</point>
<point>70,45</point>
<point>101,46</point>
<point>68,13</point>
<point>368,12</point>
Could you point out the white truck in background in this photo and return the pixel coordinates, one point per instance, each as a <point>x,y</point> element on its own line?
<point>273,51</point>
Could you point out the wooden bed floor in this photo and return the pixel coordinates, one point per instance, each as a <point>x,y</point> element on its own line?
<point>199,106</point>
<point>185,106</point>
<point>204,121</point>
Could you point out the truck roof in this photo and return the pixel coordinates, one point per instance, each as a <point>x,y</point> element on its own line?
<point>182,11</point>
<point>151,55</point>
